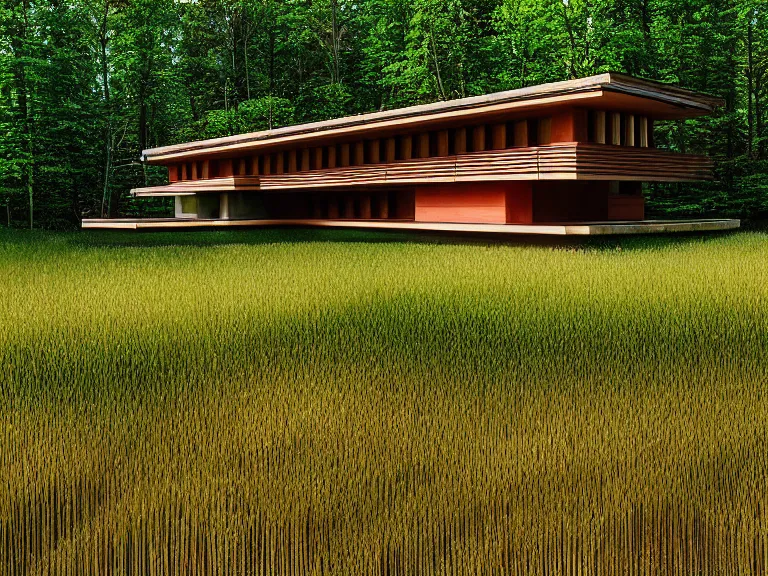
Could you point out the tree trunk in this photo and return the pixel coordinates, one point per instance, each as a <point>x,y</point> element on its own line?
<point>106,197</point>
<point>750,88</point>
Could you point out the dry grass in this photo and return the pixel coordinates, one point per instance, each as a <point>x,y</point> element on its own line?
<point>322,403</point>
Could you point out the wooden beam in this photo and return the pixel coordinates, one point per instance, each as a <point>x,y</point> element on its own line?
<point>332,156</point>
<point>344,155</point>
<point>255,165</point>
<point>305,159</point>
<point>194,171</point>
<point>173,173</point>
<point>424,145</point>
<point>279,163</point>
<point>241,167</point>
<point>205,173</point>
<point>478,138</point>
<point>266,168</point>
<point>460,141</point>
<point>183,171</point>
<point>389,157</point>
<point>442,143</point>
<point>406,147</point>
<point>292,163</point>
<point>359,159</point>
<point>521,134</point>
<point>317,158</point>
<point>499,136</point>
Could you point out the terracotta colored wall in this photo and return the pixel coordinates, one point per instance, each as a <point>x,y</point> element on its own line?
<point>481,203</point>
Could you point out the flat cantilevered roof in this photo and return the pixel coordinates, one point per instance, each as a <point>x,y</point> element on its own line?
<point>610,91</point>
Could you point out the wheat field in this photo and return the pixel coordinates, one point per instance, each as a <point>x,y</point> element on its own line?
<point>316,402</point>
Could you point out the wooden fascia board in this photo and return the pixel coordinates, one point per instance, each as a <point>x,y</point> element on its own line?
<point>309,138</point>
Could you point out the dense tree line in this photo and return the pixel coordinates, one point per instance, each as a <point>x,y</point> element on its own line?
<point>85,85</point>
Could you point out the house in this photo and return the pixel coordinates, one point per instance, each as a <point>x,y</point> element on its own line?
<point>562,158</point>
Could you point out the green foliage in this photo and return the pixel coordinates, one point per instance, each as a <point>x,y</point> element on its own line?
<point>350,403</point>
<point>86,85</point>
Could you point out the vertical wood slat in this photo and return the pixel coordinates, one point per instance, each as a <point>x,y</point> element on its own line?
<point>499,136</point>
<point>266,168</point>
<point>643,132</point>
<point>292,164</point>
<point>424,145</point>
<point>349,207</point>
<point>359,159</point>
<point>194,171</point>
<point>442,143</point>
<point>478,138</point>
<point>225,168</point>
<point>255,165</point>
<point>173,173</point>
<point>389,152</point>
<point>305,159</point>
<point>599,127</point>
<point>406,147</point>
<point>383,206</point>
<point>184,171</point>
<point>317,158</point>
<point>333,208</point>
<point>629,130</point>
<point>365,207</point>
<point>460,141</point>
<point>374,151</point>
<point>205,170</point>
<point>241,164</point>
<point>344,155</point>
<point>616,129</point>
<point>332,156</point>
<point>521,134</point>
<point>545,131</point>
<point>279,163</point>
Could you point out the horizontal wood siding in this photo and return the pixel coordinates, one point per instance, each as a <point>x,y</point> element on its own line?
<point>556,162</point>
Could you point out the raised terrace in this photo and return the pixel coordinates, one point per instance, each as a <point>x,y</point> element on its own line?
<point>560,158</point>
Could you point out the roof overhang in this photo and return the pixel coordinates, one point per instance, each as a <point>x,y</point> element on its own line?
<point>608,91</point>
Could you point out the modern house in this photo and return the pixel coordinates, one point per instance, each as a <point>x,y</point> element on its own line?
<point>562,158</point>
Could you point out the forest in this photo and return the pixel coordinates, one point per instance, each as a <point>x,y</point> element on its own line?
<point>85,85</point>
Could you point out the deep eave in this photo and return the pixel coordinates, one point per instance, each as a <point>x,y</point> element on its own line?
<point>670,102</point>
